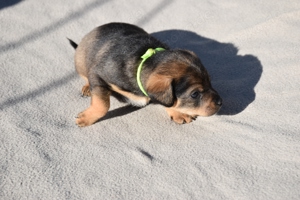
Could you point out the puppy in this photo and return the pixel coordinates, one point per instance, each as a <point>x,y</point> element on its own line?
<point>124,61</point>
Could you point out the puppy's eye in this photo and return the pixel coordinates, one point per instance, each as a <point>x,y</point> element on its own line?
<point>195,94</point>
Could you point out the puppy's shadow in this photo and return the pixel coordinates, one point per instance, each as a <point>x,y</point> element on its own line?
<point>124,110</point>
<point>233,76</point>
<point>7,3</point>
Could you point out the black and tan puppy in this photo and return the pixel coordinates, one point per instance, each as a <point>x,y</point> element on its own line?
<point>109,58</point>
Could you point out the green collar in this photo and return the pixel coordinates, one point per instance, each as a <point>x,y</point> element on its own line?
<point>147,55</point>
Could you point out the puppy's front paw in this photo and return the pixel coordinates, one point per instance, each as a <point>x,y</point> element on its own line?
<point>87,117</point>
<point>180,118</point>
<point>83,120</point>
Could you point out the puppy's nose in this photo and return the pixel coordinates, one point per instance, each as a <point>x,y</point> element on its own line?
<point>218,100</point>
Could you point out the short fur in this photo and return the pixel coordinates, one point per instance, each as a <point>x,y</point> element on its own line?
<point>108,57</point>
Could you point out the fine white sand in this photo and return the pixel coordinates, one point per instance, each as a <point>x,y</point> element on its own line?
<point>250,150</point>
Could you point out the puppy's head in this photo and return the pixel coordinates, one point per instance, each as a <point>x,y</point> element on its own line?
<point>180,81</point>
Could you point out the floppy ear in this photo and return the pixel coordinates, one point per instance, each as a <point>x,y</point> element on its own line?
<point>160,89</point>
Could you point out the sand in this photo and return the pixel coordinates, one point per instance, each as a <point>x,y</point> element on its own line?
<point>250,150</point>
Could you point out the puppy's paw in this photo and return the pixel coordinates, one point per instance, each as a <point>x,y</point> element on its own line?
<point>85,92</point>
<point>88,117</point>
<point>180,118</point>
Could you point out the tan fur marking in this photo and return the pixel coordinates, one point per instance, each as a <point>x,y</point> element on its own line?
<point>158,83</point>
<point>133,99</point>
<point>98,108</point>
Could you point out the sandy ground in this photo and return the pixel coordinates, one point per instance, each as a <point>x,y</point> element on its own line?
<point>250,150</point>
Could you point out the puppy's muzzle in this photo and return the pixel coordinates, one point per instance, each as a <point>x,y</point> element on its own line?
<point>215,103</point>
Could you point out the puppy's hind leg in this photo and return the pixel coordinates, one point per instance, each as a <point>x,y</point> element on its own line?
<point>85,91</point>
<point>80,65</point>
<point>100,103</point>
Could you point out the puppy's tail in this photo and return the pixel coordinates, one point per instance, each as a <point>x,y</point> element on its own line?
<point>73,44</point>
